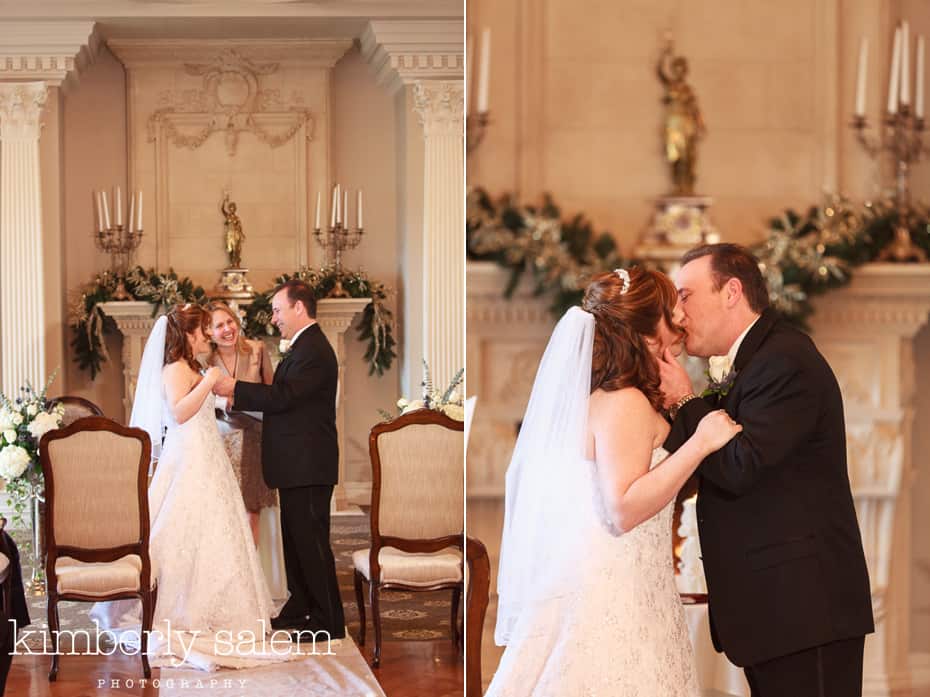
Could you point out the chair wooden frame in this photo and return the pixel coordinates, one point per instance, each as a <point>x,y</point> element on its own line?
<point>378,541</point>
<point>148,592</point>
<point>77,402</point>
<point>476,607</point>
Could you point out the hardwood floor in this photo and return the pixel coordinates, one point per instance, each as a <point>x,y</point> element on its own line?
<point>408,669</point>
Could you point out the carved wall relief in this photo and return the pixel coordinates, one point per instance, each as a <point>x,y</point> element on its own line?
<point>232,101</point>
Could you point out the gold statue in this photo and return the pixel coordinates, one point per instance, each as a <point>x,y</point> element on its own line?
<point>232,230</point>
<point>684,125</point>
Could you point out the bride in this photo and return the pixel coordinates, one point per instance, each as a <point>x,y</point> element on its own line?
<point>587,597</point>
<point>212,596</point>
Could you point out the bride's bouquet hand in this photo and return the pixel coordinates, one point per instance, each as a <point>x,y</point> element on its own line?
<point>211,375</point>
<point>716,429</point>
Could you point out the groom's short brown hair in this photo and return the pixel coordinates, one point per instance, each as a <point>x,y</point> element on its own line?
<point>728,261</point>
<point>298,291</point>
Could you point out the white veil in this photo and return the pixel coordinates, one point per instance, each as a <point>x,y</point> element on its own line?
<point>549,494</point>
<point>148,404</point>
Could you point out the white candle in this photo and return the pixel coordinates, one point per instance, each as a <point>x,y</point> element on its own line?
<point>131,221</point>
<point>332,210</point>
<point>919,89</point>
<point>99,209</point>
<point>139,226</point>
<point>469,68</point>
<point>319,196</point>
<point>118,202</point>
<point>106,210</point>
<point>860,81</point>
<point>485,71</point>
<point>345,208</point>
<point>895,74</point>
<point>338,202</point>
<point>361,225</point>
<point>905,65</point>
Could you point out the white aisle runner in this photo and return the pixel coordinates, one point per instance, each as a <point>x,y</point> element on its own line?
<point>343,674</point>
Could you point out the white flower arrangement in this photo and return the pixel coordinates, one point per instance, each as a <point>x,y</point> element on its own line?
<point>13,462</point>
<point>448,401</point>
<point>23,422</point>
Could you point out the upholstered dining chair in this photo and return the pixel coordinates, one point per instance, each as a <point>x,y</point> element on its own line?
<point>97,522</point>
<point>417,514</point>
<point>75,408</point>
<point>476,606</point>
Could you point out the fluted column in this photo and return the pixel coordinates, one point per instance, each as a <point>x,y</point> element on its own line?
<point>440,106</point>
<point>22,313</point>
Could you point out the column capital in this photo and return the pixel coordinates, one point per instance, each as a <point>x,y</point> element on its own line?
<point>50,50</point>
<point>404,51</point>
<point>20,109</point>
<point>440,105</point>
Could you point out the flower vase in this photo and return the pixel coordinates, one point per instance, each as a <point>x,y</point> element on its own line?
<point>36,585</point>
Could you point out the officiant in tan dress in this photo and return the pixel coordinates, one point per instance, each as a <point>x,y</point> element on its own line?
<point>248,360</point>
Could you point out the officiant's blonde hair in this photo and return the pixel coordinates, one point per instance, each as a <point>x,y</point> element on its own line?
<point>623,320</point>
<point>217,306</point>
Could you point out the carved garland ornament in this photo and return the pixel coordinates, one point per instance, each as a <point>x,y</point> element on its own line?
<point>232,99</point>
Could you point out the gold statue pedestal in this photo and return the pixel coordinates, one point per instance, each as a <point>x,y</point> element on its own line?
<point>234,288</point>
<point>679,224</point>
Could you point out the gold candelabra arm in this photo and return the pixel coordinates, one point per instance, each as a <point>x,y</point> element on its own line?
<point>872,145</point>
<point>476,126</point>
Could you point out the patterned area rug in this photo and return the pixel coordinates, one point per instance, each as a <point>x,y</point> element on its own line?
<point>404,616</point>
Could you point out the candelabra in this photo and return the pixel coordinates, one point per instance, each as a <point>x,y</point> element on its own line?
<point>120,242</point>
<point>334,241</point>
<point>902,138</point>
<point>475,127</point>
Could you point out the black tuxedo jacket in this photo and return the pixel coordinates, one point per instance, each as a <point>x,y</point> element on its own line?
<point>779,537</point>
<point>299,442</point>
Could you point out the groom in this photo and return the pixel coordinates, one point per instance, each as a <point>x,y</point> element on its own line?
<point>300,456</point>
<point>786,575</point>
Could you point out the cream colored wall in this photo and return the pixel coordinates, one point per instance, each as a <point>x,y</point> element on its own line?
<point>94,158</point>
<point>576,106</point>
<point>363,155</point>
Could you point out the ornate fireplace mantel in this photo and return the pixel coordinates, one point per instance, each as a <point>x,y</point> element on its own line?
<point>335,315</point>
<point>866,332</point>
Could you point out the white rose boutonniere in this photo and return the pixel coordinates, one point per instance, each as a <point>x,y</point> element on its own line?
<point>284,346</point>
<point>720,375</point>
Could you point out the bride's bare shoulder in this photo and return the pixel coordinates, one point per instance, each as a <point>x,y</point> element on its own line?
<point>178,371</point>
<point>625,397</point>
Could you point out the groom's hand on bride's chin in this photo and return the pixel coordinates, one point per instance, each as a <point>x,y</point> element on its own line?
<point>675,381</point>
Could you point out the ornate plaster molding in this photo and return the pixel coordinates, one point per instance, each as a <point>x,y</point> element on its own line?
<point>21,110</point>
<point>53,51</point>
<point>440,107</point>
<point>402,52</point>
<point>231,101</point>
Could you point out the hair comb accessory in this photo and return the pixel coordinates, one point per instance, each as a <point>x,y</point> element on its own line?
<point>625,277</point>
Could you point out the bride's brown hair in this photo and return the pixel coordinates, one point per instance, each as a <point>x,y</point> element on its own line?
<point>183,320</point>
<point>623,322</point>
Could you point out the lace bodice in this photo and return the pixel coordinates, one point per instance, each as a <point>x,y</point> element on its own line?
<point>621,632</point>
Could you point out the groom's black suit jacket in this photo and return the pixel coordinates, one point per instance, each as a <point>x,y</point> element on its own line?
<point>780,541</point>
<point>299,442</point>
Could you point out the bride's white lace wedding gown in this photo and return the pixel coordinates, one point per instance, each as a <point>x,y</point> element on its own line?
<point>210,581</point>
<point>620,631</point>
